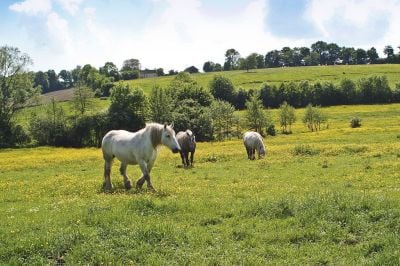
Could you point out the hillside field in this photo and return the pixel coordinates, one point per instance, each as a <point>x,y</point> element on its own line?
<point>324,198</point>
<point>255,78</point>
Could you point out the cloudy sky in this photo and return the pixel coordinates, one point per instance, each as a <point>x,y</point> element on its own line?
<point>174,34</point>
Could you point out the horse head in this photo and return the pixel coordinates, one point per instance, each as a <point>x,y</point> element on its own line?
<point>192,138</point>
<point>261,151</point>
<point>168,138</point>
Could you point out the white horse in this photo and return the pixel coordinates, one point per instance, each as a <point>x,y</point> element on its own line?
<point>253,141</point>
<point>136,148</point>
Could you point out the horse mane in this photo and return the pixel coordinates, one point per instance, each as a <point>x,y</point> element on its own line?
<point>155,131</point>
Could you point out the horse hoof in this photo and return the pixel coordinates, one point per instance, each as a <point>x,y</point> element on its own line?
<point>128,185</point>
<point>151,189</point>
<point>107,187</point>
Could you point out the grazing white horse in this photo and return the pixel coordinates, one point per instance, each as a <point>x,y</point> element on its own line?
<point>136,148</point>
<point>253,141</point>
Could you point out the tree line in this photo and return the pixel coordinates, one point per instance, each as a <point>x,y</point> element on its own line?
<point>320,53</point>
<point>209,112</point>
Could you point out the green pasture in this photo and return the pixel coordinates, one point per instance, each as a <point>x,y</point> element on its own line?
<point>324,198</point>
<point>255,78</point>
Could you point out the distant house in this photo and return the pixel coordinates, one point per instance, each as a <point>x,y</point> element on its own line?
<point>192,70</point>
<point>338,61</point>
<point>147,73</point>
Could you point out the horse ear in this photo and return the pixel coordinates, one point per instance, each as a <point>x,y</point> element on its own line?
<point>165,125</point>
<point>187,133</point>
<point>172,125</point>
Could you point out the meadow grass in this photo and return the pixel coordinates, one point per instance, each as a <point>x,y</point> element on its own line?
<point>328,197</point>
<point>255,78</point>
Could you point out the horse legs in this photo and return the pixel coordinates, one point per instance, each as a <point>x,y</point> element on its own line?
<point>127,181</point>
<point>145,177</point>
<point>248,153</point>
<point>183,158</point>
<point>186,159</point>
<point>107,175</point>
<point>191,158</point>
<point>253,151</point>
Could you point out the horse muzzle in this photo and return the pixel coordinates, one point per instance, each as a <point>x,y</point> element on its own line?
<point>176,150</point>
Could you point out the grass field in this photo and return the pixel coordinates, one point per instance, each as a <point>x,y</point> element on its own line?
<point>325,198</point>
<point>255,78</point>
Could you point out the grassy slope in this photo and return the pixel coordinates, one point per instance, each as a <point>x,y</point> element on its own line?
<point>338,206</point>
<point>255,78</point>
<point>248,80</point>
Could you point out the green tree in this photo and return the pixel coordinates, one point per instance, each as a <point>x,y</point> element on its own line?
<point>333,53</point>
<point>41,80</point>
<point>256,117</point>
<point>110,70</point>
<point>189,114</point>
<point>312,59</point>
<point>66,77</point>
<point>286,117</point>
<point>183,87</point>
<point>161,105</point>
<point>251,61</point>
<point>321,48</point>
<point>372,55</point>
<point>83,98</point>
<point>130,69</point>
<point>217,67</point>
<point>208,66</point>
<point>160,72</point>
<point>347,55</point>
<point>273,59</point>
<point>287,56</point>
<point>131,64</point>
<point>361,56</point>
<point>128,108</point>
<point>222,88</point>
<point>231,59</point>
<point>314,117</point>
<point>16,89</point>
<point>388,51</point>
<point>50,127</point>
<point>76,73</point>
<point>348,90</point>
<point>260,61</point>
<point>54,83</point>
<point>223,117</point>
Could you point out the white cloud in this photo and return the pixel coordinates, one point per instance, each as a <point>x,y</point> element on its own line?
<point>184,33</point>
<point>32,7</point>
<point>357,14</point>
<point>71,6</point>
<point>37,7</point>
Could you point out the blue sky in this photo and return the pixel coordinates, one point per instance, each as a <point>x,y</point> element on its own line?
<point>174,34</point>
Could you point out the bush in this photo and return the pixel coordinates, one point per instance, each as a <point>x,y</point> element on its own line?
<point>271,130</point>
<point>11,135</point>
<point>128,108</point>
<point>314,117</point>
<point>305,150</point>
<point>286,117</point>
<point>191,115</point>
<point>355,122</point>
<point>222,89</point>
<point>19,135</point>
